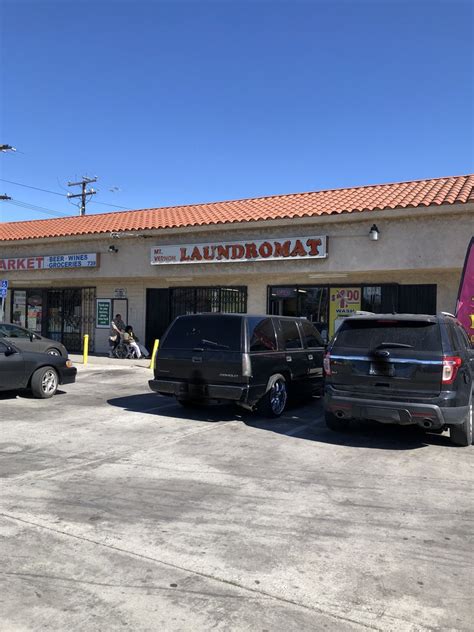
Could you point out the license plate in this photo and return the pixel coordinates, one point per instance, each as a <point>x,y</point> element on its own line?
<point>384,369</point>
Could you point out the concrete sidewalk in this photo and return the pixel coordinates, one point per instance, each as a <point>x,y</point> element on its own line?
<point>97,361</point>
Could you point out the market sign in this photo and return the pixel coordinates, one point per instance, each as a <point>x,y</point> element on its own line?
<point>50,262</point>
<point>240,251</point>
<point>103,312</point>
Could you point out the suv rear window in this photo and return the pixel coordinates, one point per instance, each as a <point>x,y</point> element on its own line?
<point>222,333</point>
<point>369,334</point>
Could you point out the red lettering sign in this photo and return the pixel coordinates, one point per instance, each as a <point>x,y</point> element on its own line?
<point>255,250</point>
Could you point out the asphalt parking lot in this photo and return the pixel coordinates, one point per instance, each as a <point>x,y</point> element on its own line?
<point>121,510</point>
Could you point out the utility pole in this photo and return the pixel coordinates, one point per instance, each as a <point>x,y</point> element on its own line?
<point>6,148</point>
<point>84,192</point>
<point>5,197</point>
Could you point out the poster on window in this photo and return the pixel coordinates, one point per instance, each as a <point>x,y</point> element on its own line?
<point>343,302</point>
<point>19,308</point>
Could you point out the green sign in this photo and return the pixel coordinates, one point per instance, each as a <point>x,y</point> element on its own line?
<point>103,312</point>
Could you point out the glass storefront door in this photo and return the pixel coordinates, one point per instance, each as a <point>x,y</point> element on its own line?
<point>65,315</point>
<point>27,309</point>
<point>308,301</point>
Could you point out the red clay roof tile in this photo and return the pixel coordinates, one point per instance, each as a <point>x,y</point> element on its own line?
<point>418,193</point>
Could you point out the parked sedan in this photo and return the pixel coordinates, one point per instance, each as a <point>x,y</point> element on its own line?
<point>27,340</point>
<point>38,372</point>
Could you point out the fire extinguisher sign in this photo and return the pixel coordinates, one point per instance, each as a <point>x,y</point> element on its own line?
<point>343,302</point>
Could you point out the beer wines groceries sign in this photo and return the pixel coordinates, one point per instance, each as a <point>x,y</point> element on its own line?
<point>242,251</point>
<point>50,262</point>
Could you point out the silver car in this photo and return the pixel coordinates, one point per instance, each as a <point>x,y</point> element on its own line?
<point>27,340</point>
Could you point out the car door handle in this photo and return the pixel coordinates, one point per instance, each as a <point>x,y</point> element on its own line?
<point>310,356</point>
<point>197,359</point>
<point>289,359</point>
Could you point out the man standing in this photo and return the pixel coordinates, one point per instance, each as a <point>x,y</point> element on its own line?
<point>117,327</point>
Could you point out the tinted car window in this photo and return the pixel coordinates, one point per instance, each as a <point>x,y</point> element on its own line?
<point>369,334</point>
<point>311,336</point>
<point>221,333</point>
<point>291,335</point>
<point>14,332</point>
<point>261,334</point>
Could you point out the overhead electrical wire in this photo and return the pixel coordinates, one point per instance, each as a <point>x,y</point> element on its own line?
<point>34,207</point>
<point>28,186</point>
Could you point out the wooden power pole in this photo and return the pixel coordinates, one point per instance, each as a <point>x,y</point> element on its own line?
<point>84,192</point>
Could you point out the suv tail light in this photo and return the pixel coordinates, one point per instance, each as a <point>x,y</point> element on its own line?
<point>327,364</point>
<point>246,365</point>
<point>451,365</point>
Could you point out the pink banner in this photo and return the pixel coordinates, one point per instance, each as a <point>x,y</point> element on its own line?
<point>465,304</point>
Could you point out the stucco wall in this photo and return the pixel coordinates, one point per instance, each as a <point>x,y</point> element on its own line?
<point>414,247</point>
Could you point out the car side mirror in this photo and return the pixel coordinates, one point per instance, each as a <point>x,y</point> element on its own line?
<point>10,351</point>
<point>32,337</point>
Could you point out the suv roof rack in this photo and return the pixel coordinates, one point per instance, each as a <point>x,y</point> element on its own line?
<point>361,312</point>
<point>447,314</point>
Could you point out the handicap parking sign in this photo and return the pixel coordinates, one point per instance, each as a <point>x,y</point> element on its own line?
<point>3,292</point>
<point>4,285</point>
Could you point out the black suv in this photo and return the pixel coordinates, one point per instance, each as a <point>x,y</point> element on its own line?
<point>251,360</point>
<point>403,369</point>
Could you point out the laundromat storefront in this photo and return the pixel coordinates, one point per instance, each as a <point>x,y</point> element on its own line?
<point>64,314</point>
<point>163,305</point>
<point>325,305</point>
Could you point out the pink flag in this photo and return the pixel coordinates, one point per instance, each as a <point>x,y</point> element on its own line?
<point>465,303</point>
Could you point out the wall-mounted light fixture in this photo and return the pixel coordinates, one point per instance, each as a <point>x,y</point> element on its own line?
<point>374,233</point>
<point>113,250</point>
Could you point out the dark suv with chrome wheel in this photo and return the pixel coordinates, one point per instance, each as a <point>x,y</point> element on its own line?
<point>403,369</point>
<point>254,361</point>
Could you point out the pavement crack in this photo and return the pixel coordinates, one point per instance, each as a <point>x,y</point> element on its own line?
<point>210,577</point>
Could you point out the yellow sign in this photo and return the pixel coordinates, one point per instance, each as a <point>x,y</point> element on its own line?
<point>343,302</point>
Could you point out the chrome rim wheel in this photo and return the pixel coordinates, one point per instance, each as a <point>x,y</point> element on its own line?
<point>49,382</point>
<point>278,397</point>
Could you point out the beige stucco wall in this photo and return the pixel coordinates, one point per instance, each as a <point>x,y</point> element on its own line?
<point>415,246</point>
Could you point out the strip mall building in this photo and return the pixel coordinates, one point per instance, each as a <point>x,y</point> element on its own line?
<point>306,254</point>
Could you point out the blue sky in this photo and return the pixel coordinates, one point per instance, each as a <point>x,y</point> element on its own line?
<point>183,102</point>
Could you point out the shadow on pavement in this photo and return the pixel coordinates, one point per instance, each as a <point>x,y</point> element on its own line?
<point>362,435</point>
<point>25,395</point>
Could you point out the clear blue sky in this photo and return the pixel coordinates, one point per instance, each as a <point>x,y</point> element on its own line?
<point>182,102</point>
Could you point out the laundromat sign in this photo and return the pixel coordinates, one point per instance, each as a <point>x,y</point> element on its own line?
<point>50,262</point>
<point>236,251</point>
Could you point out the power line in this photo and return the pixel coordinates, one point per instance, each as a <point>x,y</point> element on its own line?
<point>28,186</point>
<point>38,209</point>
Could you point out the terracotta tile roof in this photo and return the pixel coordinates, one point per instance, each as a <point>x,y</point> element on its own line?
<point>413,194</point>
